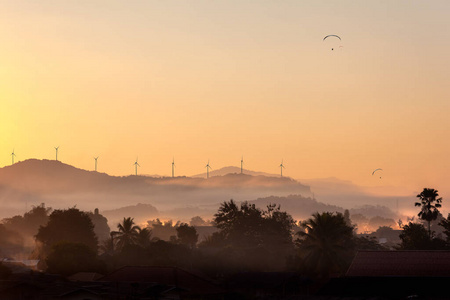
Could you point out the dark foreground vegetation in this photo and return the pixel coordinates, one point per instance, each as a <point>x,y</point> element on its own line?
<point>251,254</point>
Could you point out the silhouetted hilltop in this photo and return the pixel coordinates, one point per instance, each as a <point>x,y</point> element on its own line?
<point>61,185</point>
<point>233,170</point>
<point>53,176</point>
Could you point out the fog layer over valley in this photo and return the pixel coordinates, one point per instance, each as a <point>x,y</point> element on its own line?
<point>60,186</point>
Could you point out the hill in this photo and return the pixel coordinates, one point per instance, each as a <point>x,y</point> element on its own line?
<point>59,185</point>
<point>234,170</point>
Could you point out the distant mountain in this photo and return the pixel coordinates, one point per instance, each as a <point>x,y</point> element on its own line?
<point>347,194</point>
<point>60,185</point>
<point>233,170</point>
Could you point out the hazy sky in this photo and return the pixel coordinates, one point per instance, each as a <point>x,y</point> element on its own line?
<point>199,80</point>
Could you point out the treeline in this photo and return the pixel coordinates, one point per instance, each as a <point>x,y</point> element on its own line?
<point>247,238</point>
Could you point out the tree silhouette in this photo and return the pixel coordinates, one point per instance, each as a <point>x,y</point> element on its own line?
<point>198,221</point>
<point>101,228</point>
<point>29,224</point>
<point>71,225</point>
<point>164,231</point>
<point>67,258</point>
<point>249,226</point>
<point>429,211</point>
<point>127,233</point>
<point>326,244</point>
<point>252,238</point>
<point>414,236</point>
<point>445,223</point>
<point>144,236</point>
<point>107,246</point>
<point>187,235</point>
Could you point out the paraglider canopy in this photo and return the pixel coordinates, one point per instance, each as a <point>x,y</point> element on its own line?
<point>332,36</point>
<point>377,170</point>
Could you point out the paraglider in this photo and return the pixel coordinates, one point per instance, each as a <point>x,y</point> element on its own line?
<point>332,36</point>
<point>377,170</point>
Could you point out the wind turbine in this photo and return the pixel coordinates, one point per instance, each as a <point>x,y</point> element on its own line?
<point>57,152</point>
<point>136,165</point>
<point>207,169</point>
<point>173,167</point>
<point>242,164</point>
<point>281,167</point>
<point>12,156</point>
<point>96,163</point>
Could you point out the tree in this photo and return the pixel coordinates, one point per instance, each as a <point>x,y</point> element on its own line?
<point>414,236</point>
<point>368,243</point>
<point>101,227</point>
<point>107,246</point>
<point>326,245</point>
<point>127,233</point>
<point>198,221</point>
<point>71,225</point>
<point>164,231</point>
<point>252,238</point>
<point>429,211</point>
<point>144,237</point>
<point>248,226</point>
<point>67,258</point>
<point>187,235</point>
<point>28,224</point>
<point>445,223</point>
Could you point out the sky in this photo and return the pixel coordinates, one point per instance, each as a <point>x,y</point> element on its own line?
<point>220,80</point>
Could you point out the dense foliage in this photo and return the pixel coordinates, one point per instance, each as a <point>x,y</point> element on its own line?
<point>67,258</point>
<point>244,238</point>
<point>327,243</point>
<point>71,225</point>
<point>429,203</point>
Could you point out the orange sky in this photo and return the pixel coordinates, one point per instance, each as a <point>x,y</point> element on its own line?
<point>199,80</point>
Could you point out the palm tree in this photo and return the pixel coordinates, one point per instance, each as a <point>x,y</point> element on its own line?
<point>144,236</point>
<point>107,246</point>
<point>429,211</point>
<point>326,244</point>
<point>127,233</point>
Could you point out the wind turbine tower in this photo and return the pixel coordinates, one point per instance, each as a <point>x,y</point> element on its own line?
<point>242,164</point>
<point>136,165</point>
<point>56,148</point>
<point>207,169</point>
<point>173,167</point>
<point>281,167</point>
<point>95,158</point>
<point>12,157</point>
